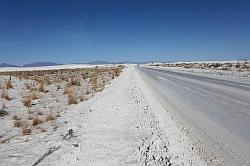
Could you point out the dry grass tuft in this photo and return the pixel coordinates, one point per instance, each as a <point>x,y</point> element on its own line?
<point>30,110</point>
<point>58,87</point>
<point>2,110</point>
<point>26,130</point>
<point>28,86</point>
<point>58,115</point>
<point>18,123</point>
<point>39,112</point>
<point>5,94</point>
<point>50,117</point>
<point>75,81</point>
<point>14,117</point>
<point>9,84</point>
<point>41,87</point>
<point>117,71</point>
<point>1,85</point>
<point>67,89</point>
<point>30,117</point>
<point>83,97</point>
<point>27,101</point>
<point>36,121</point>
<point>33,95</point>
<point>72,98</point>
<point>42,130</point>
<point>93,80</point>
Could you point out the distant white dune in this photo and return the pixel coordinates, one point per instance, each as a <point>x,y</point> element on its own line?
<point>222,61</point>
<point>70,66</point>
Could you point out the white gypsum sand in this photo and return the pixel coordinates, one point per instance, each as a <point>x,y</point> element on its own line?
<point>226,70</point>
<point>122,125</point>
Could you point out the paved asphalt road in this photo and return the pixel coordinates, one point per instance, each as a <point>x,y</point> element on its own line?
<point>218,110</point>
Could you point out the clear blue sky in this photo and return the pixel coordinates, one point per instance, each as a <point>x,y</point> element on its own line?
<point>74,31</point>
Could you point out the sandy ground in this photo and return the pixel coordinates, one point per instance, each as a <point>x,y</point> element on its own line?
<point>225,69</point>
<point>122,125</point>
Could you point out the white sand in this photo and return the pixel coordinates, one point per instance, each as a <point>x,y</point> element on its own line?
<point>122,125</point>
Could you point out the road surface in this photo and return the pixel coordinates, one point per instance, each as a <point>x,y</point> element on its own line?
<point>217,110</point>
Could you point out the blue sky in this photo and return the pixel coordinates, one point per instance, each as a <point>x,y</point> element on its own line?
<point>78,31</point>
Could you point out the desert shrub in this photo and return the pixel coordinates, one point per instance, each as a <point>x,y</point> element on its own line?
<point>72,98</point>
<point>93,80</point>
<point>3,105</point>
<point>14,117</point>
<point>58,87</point>
<point>9,84</point>
<point>75,81</point>
<point>30,110</point>
<point>39,112</point>
<point>225,68</point>
<point>36,121</point>
<point>30,117</point>
<point>58,115</point>
<point>1,85</point>
<point>5,94</point>
<point>18,123</point>
<point>48,80</point>
<point>67,89</point>
<point>88,90</point>
<point>117,71</point>
<point>33,95</point>
<point>26,130</point>
<point>27,101</point>
<point>41,87</point>
<point>83,97</point>
<point>42,130</point>
<point>50,117</point>
<point>216,65</point>
<point>3,112</point>
<point>28,86</point>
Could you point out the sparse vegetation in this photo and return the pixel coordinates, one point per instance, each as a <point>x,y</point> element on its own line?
<point>38,91</point>
<point>239,66</point>
<point>9,84</point>
<point>72,98</point>
<point>58,87</point>
<point>14,117</point>
<point>50,117</point>
<point>2,109</point>
<point>67,89</point>
<point>74,81</point>
<point>36,121</point>
<point>5,94</point>
<point>30,110</point>
<point>18,122</point>
<point>3,112</point>
<point>26,130</point>
<point>93,80</point>
<point>41,87</point>
<point>33,95</point>
<point>39,112</point>
<point>27,101</point>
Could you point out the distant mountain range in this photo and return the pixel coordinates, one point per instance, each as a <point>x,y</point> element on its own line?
<point>36,64</point>
<point>7,65</point>
<point>106,62</point>
<point>99,62</point>
<point>40,64</point>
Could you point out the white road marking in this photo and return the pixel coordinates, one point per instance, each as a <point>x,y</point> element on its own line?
<point>194,91</point>
<point>161,78</point>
